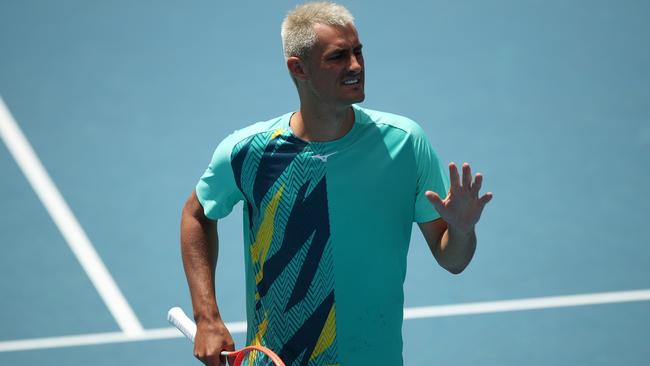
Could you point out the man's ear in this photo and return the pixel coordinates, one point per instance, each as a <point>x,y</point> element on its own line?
<point>296,67</point>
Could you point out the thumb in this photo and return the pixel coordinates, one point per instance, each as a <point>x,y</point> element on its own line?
<point>486,198</point>
<point>434,198</point>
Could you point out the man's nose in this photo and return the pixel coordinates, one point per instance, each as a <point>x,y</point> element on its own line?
<point>355,63</point>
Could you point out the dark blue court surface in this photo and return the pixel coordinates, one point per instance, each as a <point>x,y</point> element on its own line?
<point>123,103</point>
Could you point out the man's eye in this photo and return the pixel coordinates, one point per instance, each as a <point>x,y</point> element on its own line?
<point>336,56</point>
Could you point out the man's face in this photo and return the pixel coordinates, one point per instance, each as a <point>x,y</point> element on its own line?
<point>335,66</point>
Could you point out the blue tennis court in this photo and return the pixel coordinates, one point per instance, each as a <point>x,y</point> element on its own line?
<point>110,112</point>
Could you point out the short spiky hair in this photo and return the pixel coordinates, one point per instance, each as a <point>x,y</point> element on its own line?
<point>298,34</point>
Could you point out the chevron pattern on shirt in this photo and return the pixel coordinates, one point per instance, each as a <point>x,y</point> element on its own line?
<point>289,249</point>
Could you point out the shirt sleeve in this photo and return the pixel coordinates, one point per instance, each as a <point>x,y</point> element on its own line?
<point>217,189</point>
<point>431,177</point>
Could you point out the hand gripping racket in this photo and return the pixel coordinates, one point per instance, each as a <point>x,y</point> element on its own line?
<point>247,356</point>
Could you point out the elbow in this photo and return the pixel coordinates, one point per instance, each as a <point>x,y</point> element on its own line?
<point>453,267</point>
<point>454,262</point>
<point>456,270</point>
<point>457,264</point>
<point>457,267</point>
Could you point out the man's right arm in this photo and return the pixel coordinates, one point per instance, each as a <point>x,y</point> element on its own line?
<point>199,248</point>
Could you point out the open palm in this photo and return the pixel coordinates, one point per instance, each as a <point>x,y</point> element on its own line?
<point>462,207</point>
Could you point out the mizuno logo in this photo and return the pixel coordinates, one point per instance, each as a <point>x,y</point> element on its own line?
<point>323,158</point>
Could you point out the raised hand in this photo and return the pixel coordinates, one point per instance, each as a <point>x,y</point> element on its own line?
<point>462,207</point>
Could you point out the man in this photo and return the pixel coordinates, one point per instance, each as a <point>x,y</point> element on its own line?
<point>330,194</point>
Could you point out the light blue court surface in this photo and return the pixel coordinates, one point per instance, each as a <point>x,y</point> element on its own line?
<point>123,103</point>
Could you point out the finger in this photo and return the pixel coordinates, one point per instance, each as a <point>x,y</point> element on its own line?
<point>435,200</point>
<point>214,360</point>
<point>199,355</point>
<point>485,199</point>
<point>454,178</point>
<point>467,176</point>
<point>478,182</point>
<point>208,361</point>
<point>228,360</point>
<point>211,359</point>
<point>228,347</point>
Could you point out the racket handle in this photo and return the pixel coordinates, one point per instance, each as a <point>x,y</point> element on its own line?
<point>176,316</point>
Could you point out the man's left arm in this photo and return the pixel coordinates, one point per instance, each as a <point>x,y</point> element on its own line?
<point>452,238</point>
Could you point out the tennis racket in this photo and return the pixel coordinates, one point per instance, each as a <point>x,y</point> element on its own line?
<point>247,356</point>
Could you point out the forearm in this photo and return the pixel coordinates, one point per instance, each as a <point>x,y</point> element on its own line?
<point>456,249</point>
<point>199,248</point>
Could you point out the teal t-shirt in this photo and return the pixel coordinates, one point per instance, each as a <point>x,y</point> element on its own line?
<point>327,229</point>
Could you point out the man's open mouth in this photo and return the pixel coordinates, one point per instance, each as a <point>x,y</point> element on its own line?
<point>352,81</point>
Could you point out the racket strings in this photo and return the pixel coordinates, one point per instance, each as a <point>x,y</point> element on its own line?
<point>253,358</point>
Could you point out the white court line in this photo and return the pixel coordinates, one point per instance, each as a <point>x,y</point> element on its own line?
<point>526,304</point>
<point>102,338</point>
<point>66,222</point>
<point>409,313</point>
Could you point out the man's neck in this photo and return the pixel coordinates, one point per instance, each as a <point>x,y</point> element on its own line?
<point>322,123</point>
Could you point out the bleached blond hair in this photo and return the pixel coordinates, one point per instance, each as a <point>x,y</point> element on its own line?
<point>298,34</point>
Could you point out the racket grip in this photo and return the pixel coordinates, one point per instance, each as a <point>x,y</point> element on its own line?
<point>176,316</point>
